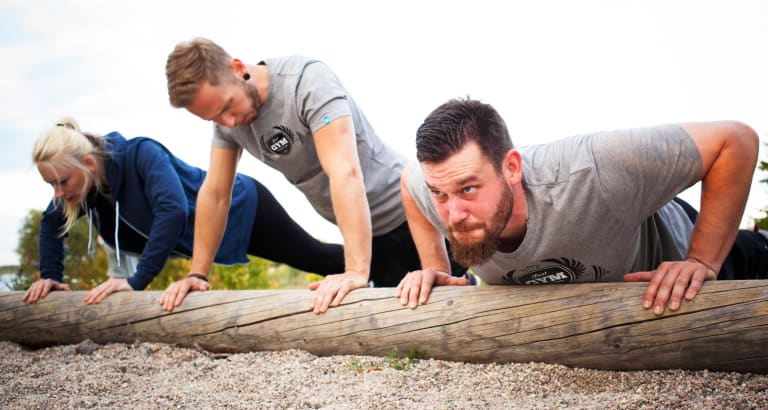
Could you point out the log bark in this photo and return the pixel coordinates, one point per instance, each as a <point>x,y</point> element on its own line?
<point>599,326</point>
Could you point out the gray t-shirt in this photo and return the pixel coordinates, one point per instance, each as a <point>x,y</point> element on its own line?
<point>304,95</point>
<point>599,206</point>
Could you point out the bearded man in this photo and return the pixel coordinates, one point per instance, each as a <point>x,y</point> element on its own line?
<point>589,208</point>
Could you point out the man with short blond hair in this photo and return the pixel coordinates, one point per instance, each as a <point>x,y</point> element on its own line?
<point>295,115</point>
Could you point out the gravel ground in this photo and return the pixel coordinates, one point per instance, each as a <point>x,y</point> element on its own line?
<point>160,376</point>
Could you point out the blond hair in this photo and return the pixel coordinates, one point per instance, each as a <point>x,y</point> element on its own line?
<point>190,64</point>
<point>65,145</point>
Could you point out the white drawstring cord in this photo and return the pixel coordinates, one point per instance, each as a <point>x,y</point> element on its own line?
<point>90,232</point>
<point>117,224</point>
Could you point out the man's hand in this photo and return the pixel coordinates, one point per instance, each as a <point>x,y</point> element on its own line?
<point>105,289</point>
<point>415,287</point>
<point>670,282</point>
<point>177,291</point>
<point>332,290</point>
<point>41,288</point>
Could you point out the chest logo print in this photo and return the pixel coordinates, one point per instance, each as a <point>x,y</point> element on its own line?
<point>555,270</point>
<point>279,141</point>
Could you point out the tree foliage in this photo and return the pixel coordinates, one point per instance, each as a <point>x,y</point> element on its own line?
<point>83,271</point>
<point>762,223</point>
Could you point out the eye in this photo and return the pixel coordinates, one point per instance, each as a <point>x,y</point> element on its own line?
<point>469,189</point>
<point>438,195</point>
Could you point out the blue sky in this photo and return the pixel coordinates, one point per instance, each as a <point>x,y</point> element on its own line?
<point>552,68</point>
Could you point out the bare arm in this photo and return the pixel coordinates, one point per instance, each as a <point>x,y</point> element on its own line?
<point>212,208</point>
<point>416,286</point>
<point>728,152</point>
<point>337,152</point>
<point>429,241</point>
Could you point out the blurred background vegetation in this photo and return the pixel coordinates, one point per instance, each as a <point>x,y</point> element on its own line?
<point>83,271</point>
<point>762,223</point>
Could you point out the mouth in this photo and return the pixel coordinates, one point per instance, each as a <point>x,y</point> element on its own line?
<point>468,235</point>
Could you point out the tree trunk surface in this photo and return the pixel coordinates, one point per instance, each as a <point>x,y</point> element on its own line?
<point>598,326</point>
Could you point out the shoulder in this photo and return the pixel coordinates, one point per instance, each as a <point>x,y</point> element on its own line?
<point>413,180</point>
<point>146,145</point>
<point>289,65</point>
<point>117,142</point>
<point>139,152</point>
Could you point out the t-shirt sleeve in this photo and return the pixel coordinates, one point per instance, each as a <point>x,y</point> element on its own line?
<point>320,96</point>
<point>418,189</point>
<point>644,168</point>
<point>222,138</point>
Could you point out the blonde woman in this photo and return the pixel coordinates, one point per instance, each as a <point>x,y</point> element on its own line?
<point>141,200</point>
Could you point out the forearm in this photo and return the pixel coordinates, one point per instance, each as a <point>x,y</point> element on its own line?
<point>51,244</point>
<point>432,252</point>
<point>429,242</point>
<point>164,234</point>
<point>210,223</point>
<point>353,217</point>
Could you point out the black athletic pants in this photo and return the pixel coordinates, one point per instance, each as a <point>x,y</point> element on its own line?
<point>394,255</point>
<point>748,259</point>
<point>279,238</point>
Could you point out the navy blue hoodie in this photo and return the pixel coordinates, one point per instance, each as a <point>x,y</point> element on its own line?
<point>154,194</point>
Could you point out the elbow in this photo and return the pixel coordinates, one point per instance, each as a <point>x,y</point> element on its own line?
<point>179,217</point>
<point>746,138</point>
<point>346,175</point>
<point>209,193</point>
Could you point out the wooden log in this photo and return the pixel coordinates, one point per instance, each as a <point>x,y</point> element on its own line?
<point>599,326</point>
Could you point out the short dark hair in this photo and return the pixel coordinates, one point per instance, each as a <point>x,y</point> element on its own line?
<point>457,122</point>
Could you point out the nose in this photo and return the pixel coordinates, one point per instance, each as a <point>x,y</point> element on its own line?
<point>58,192</point>
<point>457,211</point>
<point>226,120</point>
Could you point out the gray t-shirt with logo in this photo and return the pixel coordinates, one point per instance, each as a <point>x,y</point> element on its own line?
<point>599,206</point>
<point>304,95</point>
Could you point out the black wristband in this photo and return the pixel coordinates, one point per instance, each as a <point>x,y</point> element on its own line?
<point>198,276</point>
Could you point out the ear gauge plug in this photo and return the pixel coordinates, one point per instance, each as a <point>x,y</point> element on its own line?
<point>246,76</point>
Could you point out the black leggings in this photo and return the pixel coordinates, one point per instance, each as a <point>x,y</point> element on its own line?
<point>277,237</point>
<point>394,255</point>
<point>748,258</point>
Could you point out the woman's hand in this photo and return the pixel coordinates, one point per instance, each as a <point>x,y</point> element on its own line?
<point>41,288</point>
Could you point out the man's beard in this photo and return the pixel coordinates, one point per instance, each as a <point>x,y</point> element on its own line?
<point>479,253</point>
<point>253,94</point>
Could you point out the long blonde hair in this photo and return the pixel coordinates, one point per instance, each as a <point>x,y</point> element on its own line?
<point>64,144</point>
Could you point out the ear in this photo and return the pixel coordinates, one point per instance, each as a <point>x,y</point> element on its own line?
<point>90,163</point>
<point>238,67</point>
<point>512,166</point>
